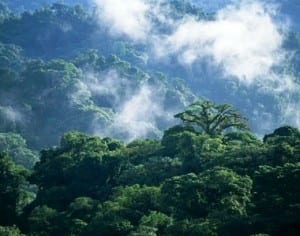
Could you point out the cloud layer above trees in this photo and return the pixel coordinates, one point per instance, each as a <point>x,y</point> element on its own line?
<point>244,41</point>
<point>137,109</point>
<point>123,18</point>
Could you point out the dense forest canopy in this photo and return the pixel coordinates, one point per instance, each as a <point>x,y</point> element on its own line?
<point>151,118</point>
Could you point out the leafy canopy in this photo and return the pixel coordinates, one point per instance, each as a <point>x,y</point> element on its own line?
<point>211,118</point>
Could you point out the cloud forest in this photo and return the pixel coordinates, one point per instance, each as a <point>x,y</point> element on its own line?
<point>149,118</point>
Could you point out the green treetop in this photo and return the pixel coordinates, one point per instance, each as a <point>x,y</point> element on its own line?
<point>211,118</point>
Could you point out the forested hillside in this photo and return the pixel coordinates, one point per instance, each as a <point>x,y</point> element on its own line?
<point>149,117</point>
<point>194,181</point>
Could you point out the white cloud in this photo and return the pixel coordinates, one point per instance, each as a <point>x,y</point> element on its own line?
<point>137,116</point>
<point>136,107</point>
<point>125,17</point>
<point>243,40</point>
<point>81,95</point>
<point>10,114</point>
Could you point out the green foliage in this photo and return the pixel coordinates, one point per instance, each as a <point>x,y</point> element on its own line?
<point>17,149</point>
<point>55,26</point>
<point>214,194</point>
<point>82,208</point>
<point>12,177</point>
<point>140,150</point>
<point>32,89</point>
<point>10,56</point>
<point>61,172</point>
<point>210,185</point>
<point>182,7</point>
<point>195,150</point>
<point>45,65</point>
<point>278,185</point>
<point>284,145</point>
<point>208,176</point>
<point>125,209</point>
<point>56,72</point>
<point>193,227</point>
<point>183,196</point>
<point>9,231</point>
<point>157,221</point>
<point>45,221</point>
<point>136,200</point>
<point>226,192</point>
<point>212,119</point>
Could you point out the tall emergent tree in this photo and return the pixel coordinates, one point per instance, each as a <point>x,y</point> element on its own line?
<point>212,119</point>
